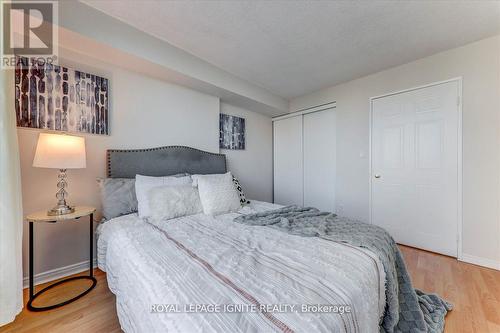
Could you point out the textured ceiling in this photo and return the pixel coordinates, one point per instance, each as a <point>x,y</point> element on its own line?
<point>293,48</point>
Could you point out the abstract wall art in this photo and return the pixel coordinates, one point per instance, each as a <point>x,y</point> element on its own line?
<point>231,132</point>
<point>60,98</point>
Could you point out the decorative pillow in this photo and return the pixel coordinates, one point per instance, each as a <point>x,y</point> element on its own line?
<point>117,196</point>
<point>143,184</point>
<point>237,185</point>
<point>217,193</point>
<point>243,198</point>
<point>168,202</point>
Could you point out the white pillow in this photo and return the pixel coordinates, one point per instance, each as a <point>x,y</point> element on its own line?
<point>143,184</point>
<point>217,193</point>
<point>168,202</point>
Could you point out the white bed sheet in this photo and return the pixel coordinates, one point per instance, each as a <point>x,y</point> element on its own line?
<point>207,260</point>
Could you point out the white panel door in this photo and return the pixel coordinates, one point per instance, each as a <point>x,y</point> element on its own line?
<point>319,160</point>
<point>288,169</point>
<point>415,167</point>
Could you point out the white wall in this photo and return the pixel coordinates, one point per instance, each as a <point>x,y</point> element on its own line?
<point>144,113</point>
<point>479,65</point>
<point>253,166</point>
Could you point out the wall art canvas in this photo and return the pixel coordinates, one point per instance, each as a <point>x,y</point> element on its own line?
<point>60,98</point>
<point>231,132</point>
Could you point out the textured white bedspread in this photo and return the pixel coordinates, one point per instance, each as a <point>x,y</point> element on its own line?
<point>203,260</point>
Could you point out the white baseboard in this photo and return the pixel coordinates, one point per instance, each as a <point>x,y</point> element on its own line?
<point>480,261</point>
<point>58,273</point>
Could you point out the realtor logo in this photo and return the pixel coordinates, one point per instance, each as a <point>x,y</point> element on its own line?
<point>29,29</point>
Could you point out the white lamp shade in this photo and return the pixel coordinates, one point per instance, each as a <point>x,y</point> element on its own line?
<point>60,151</point>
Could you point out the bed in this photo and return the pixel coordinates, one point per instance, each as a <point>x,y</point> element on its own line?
<point>207,273</point>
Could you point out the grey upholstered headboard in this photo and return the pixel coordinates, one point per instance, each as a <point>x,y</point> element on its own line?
<point>163,161</point>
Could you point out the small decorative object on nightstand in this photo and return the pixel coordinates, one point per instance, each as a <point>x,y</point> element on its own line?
<point>44,216</point>
<point>60,151</point>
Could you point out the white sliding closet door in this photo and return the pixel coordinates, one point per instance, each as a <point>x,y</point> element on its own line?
<point>288,168</point>
<point>319,159</point>
<point>304,160</point>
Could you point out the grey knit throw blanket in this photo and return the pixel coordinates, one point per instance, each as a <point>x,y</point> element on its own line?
<point>407,309</point>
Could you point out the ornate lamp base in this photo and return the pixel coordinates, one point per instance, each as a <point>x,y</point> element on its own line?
<point>62,208</point>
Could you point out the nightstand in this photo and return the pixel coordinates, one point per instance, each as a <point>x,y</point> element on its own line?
<point>40,217</point>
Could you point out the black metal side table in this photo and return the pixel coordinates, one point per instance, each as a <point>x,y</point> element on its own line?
<point>43,217</point>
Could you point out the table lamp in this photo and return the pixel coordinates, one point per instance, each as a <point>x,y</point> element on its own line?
<point>60,151</point>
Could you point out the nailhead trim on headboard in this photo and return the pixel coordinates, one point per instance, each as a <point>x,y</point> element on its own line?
<point>109,151</point>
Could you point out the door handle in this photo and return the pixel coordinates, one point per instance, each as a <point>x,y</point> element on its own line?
<point>377,176</point>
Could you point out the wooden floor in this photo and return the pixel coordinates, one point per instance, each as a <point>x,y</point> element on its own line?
<point>474,291</point>
<point>95,312</point>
